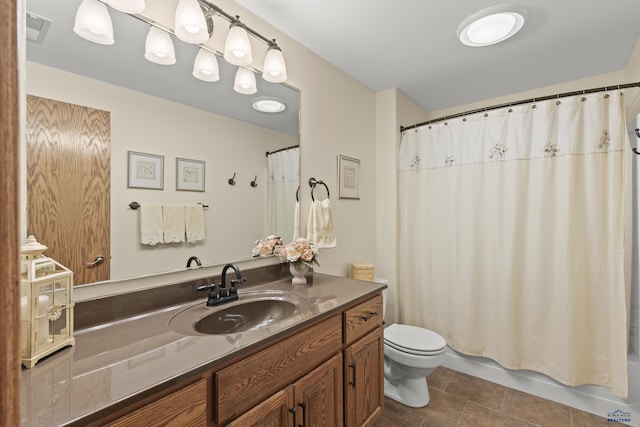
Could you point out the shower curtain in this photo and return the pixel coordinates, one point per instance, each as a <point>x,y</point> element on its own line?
<point>512,236</point>
<point>283,177</point>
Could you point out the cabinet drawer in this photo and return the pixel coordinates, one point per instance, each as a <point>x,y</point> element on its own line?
<point>362,318</point>
<point>186,407</point>
<point>244,384</point>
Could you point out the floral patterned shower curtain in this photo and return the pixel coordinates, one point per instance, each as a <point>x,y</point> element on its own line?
<point>512,236</point>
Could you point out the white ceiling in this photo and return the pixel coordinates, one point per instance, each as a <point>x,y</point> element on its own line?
<point>411,45</point>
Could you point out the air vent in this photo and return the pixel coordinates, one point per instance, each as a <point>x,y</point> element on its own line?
<point>37,27</point>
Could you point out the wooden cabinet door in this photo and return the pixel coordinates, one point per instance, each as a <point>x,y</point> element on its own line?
<point>364,383</point>
<point>318,396</point>
<point>276,411</point>
<point>69,185</point>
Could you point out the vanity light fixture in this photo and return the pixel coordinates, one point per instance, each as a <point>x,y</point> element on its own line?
<point>492,25</point>
<point>237,48</point>
<point>205,66</point>
<point>245,81</point>
<point>190,22</point>
<point>127,6</point>
<point>158,47</point>
<point>193,24</point>
<point>266,104</point>
<point>93,22</point>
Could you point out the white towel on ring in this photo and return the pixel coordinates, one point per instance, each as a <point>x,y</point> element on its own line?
<point>296,222</point>
<point>173,223</point>
<point>194,221</point>
<point>320,230</point>
<point>151,225</point>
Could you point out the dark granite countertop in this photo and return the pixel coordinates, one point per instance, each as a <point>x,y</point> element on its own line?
<point>112,364</point>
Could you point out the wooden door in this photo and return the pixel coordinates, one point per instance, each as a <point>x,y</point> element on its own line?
<point>364,383</point>
<point>68,184</point>
<point>318,396</point>
<point>276,411</point>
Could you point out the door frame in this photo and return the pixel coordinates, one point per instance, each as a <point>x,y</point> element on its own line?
<point>9,216</point>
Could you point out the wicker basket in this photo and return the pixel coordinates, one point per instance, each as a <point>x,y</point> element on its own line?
<point>362,271</point>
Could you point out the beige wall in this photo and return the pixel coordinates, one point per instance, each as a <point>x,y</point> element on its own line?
<point>338,116</point>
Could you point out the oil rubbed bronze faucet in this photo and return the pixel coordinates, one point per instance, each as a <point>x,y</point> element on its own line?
<point>219,294</point>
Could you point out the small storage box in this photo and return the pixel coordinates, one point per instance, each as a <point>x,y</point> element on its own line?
<point>362,271</point>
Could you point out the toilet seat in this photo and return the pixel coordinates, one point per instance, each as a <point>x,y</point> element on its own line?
<point>414,340</point>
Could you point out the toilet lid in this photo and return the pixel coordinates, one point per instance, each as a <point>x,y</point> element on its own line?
<point>414,340</point>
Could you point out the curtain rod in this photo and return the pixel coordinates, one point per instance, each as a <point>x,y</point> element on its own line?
<point>524,101</point>
<point>268,153</point>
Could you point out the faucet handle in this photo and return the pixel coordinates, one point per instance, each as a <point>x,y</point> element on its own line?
<point>206,287</point>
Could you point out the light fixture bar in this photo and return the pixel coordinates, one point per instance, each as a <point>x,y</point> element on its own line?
<point>232,19</point>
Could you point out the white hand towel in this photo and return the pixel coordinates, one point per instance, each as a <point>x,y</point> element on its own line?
<point>151,225</point>
<point>173,224</point>
<point>194,219</point>
<point>296,222</point>
<point>320,230</point>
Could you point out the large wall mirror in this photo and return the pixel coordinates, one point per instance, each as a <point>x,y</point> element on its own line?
<point>163,111</point>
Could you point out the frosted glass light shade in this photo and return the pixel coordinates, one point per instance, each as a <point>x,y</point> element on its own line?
<point>127,6</point>
<point>93,22</point>
<point>274,69</point>
<point>158,47</point>
<point>190,23</point>
<point>245,81</point>
<point>205,67</point>
<point>492,25</point>
<point>237,48</point>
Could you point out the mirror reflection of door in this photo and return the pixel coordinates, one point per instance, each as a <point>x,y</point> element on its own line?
<point>68,173</point>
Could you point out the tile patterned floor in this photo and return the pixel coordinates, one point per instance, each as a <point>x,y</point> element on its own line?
<point>460,400</point>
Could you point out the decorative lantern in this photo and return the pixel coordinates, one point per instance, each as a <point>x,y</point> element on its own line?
<point>46,304</point>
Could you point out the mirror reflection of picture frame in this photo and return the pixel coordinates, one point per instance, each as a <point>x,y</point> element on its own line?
<point>189,175</point>
<point>145,171</point>
<point>348,177</point>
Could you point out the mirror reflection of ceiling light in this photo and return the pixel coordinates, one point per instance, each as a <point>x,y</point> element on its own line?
<point>268,105</point>
<point>491,25</point>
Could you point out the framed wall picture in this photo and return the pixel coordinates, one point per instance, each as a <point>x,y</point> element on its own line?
<point>145,171</point>
<point>348,177</point>
<point>189,175</point>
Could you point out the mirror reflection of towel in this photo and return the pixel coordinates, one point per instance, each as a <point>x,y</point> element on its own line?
<point>194,219</point>
<point>173,223</point>
<point>296,222</point>
<point>151,225</point>
<point>320,230</point>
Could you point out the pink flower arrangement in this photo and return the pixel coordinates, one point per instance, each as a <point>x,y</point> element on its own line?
<point>266,246</point>
<point>298,251</point>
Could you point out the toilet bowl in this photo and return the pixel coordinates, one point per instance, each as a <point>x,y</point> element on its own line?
<point>411,354</point>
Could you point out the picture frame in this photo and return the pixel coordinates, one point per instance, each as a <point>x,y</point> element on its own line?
<point>145,171</point>
<point>348,177</point>
<point>190,174</point>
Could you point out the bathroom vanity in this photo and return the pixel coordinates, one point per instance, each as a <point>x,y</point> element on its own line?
<point>322,365</point>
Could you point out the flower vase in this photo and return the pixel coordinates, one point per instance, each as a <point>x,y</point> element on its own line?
<point>298,271</point>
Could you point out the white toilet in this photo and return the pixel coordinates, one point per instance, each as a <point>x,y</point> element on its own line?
<point>410,355</point>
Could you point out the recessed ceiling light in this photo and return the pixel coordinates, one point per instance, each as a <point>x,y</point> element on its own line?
<point>268,105</point>
<point>491,25</point>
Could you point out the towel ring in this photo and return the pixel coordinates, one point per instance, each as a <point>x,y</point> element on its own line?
<point>313,187</point>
